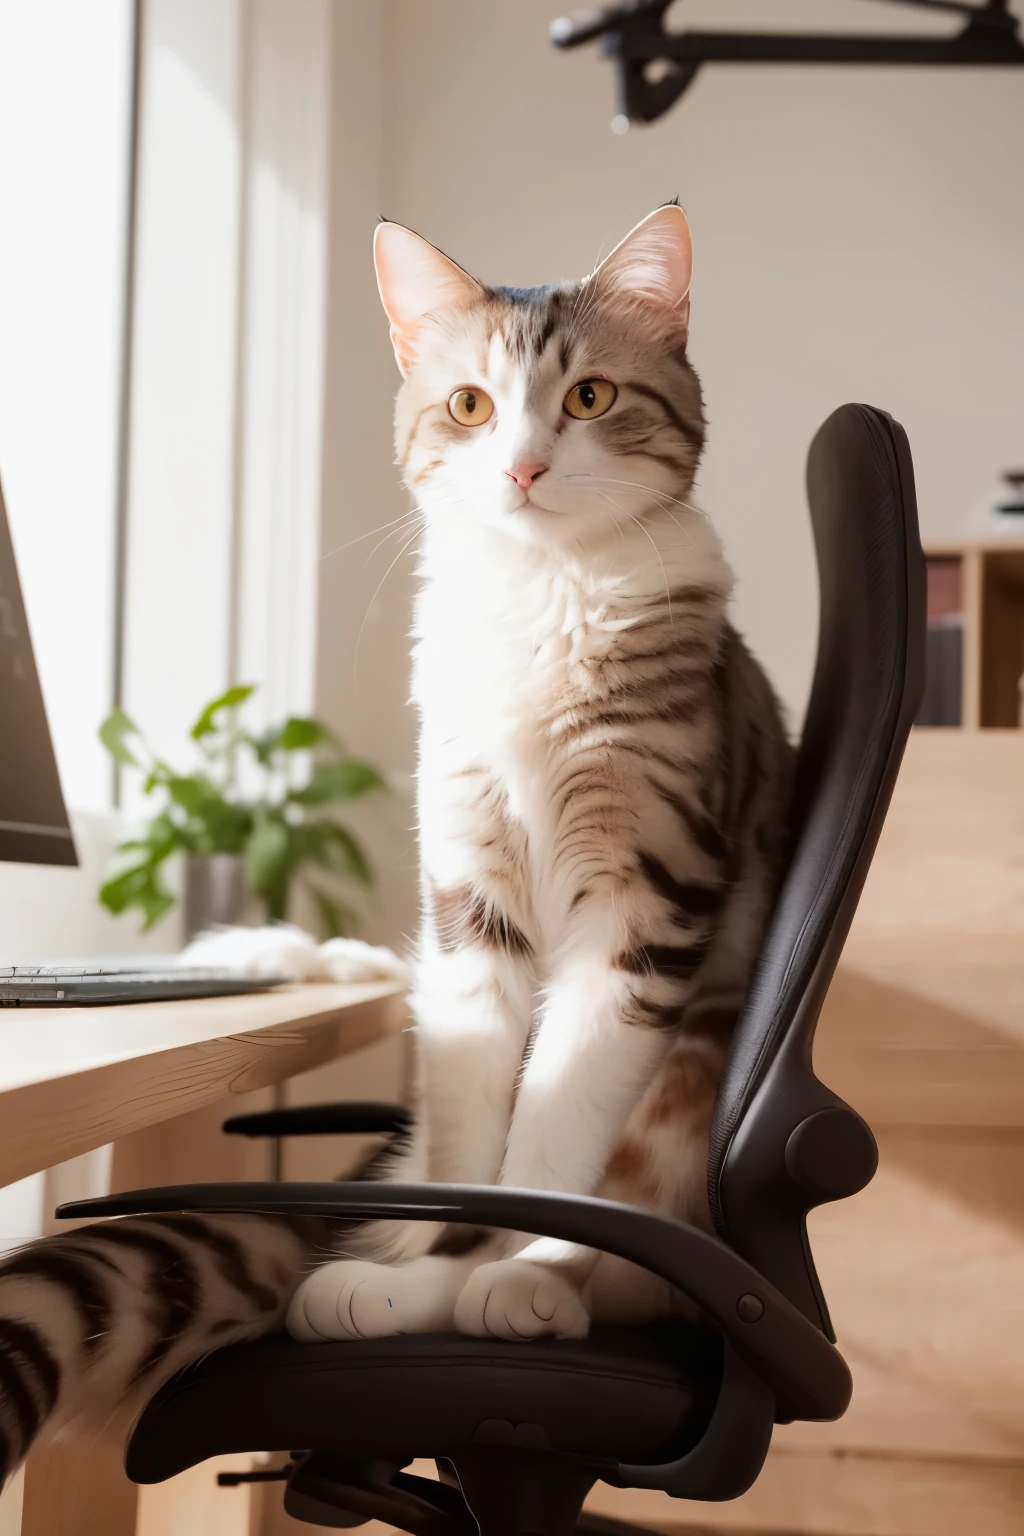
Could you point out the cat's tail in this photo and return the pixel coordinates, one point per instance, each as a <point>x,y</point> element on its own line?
<point>92,1322</point>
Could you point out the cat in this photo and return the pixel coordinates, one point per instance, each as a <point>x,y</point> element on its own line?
<point>603,790</point>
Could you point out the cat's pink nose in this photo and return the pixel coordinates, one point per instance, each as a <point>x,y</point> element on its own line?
<point>525,474</point>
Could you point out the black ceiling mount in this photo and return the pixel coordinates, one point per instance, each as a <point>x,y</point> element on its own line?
<point>655,66</point>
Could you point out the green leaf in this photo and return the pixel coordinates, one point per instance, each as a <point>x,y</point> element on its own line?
<point>332,783</point>
<point>334,918</point>
<point>299,733</point>
<point>262,746</point>
<point>214,824</point>
<point>193,792</point>
<point>228,826</point>
<point>162,836</point>
<point>231,699</point>
<point>159,841</point>
<point>115,728</point>
<point>121,890</point>
<point>335,848</point>
<point>270,856</point>
<point>154,902</point>
<point>157,775</point>
<point>139,887</point>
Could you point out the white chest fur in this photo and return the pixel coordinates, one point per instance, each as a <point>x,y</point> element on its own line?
<point>510,641</point>
<point>494,660</point>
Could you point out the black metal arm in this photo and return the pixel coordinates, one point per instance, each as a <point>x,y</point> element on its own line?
<point>808,1376</point>
<point>634,36</point>
<point>324,1120</point>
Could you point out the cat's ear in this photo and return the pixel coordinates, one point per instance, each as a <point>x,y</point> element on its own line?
<point>653,265</point>
<point>416,280</point>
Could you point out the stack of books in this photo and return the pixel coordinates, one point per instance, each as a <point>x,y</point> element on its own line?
<point>942,702</point>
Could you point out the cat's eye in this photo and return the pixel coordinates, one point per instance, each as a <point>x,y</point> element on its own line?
<point>471,407</point>
<point>590,398</point>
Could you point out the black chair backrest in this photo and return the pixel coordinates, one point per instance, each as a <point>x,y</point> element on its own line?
<point>781,1142</point>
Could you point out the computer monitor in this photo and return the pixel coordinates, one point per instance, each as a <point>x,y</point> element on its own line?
<point>34,825</point>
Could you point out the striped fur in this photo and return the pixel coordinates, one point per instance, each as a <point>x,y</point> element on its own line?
<point>603,789</point>
<point>92,1321</point>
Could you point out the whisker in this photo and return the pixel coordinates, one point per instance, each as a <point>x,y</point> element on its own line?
<point>659,497</point>
<point>396,533</point>
<point>361,536</point>
<point>419,507</point>
<point>657,551</point>
<point>638,485</point>
<point>614,520</point>
<point>373,599</point>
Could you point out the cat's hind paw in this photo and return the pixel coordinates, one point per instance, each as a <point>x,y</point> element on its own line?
<point>518,1299</point>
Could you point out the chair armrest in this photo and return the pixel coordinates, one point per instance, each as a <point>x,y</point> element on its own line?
<point>323,1120</point>
<point>808,1376</point>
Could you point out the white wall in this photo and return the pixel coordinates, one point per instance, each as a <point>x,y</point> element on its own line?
<point>859,234</point>
<point>64,114</point>
<point>362,646</point>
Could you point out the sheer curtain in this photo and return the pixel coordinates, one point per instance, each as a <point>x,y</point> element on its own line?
<point>226,441</point>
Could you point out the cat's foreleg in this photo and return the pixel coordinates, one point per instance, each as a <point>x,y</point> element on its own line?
<point>608,1022</point>
<point>473,997</point>
<point>591,1061</point>
<point>589,1066</point>
<point>472,1005</point>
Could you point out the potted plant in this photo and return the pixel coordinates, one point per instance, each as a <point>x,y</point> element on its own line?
<point>254,816</point>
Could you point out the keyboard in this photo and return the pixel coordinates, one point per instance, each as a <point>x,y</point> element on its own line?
<point>68,986</point>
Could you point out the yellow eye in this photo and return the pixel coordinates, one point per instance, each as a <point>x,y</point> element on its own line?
<point>471,407</point>
<point>590,398</point>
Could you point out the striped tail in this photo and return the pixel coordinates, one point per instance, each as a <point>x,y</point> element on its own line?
<point>93,1322</point>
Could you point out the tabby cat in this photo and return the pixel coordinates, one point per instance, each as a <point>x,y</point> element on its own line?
<point>603,785</point>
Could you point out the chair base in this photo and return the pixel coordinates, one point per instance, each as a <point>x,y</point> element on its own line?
<point>493,1492</point>
<point>512,1494</point>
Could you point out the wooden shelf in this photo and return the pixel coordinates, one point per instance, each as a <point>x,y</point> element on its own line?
<point>981,582</point>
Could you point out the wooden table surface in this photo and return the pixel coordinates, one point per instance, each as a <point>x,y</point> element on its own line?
<point>76,1078</point>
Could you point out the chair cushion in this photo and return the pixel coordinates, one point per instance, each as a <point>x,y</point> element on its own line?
<point>627,1393</point>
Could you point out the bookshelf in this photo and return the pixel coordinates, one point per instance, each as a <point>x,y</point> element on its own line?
<point>975,633</point>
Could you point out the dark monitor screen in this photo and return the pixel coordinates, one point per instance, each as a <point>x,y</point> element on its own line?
<point>33,822</point>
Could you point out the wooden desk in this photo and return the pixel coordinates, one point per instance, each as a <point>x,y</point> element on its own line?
<point>156,1079</point>
<point>76,1078</point>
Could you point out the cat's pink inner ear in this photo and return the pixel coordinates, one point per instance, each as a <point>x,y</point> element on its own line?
<point>415,280</point>
<point>654,264</point>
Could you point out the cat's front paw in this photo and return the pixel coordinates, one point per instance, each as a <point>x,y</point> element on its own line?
<point>517,1299</point>
<point>349,1300</point>
<point>354,1299</point>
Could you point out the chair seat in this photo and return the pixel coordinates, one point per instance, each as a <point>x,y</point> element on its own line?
<point>625,1393</point>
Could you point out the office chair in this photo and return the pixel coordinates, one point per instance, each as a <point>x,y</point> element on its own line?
<point>520,1432</point>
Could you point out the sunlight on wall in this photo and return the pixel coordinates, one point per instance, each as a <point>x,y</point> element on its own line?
<point>64,112</point>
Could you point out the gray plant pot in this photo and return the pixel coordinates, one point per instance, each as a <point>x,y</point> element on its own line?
<point>213,891</point>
